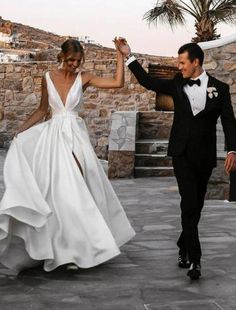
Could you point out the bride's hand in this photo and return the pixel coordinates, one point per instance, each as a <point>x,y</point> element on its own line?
<point>122,46</point>
<point>116,43</point>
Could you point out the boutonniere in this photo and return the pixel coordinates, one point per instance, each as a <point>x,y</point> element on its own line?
<point>212,91</point>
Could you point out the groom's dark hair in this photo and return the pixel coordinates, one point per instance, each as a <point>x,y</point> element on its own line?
<point>194,51</point>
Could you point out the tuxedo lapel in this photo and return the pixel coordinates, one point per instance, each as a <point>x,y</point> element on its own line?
<point>186,102</point>
<point>183,96</point>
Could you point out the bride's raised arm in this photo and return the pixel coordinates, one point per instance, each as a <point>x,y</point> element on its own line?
<point>90,79</point>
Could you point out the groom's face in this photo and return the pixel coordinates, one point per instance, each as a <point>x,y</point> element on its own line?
<point>186,66</point>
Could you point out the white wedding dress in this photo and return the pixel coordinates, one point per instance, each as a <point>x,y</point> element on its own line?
<point>50,211</point>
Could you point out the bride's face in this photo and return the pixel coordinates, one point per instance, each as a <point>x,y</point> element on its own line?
<point>72,61</point>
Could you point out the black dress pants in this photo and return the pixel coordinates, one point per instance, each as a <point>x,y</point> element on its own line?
<point>192,178</point>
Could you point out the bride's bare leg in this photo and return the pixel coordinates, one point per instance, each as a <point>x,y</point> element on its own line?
<point>78,164</point>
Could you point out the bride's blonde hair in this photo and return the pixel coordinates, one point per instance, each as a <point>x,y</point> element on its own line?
<point>71,46</point>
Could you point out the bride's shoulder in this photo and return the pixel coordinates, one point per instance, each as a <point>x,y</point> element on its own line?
<point>85,77</point>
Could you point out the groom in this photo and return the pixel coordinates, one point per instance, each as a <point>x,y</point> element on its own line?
<point>199,100</point>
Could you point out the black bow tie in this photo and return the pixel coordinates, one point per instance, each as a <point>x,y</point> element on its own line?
<point>192,82</point>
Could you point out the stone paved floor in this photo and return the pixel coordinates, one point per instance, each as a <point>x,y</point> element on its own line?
<point>145,276</point>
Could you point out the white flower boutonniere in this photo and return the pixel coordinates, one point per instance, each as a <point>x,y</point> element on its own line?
<point>212,91</point>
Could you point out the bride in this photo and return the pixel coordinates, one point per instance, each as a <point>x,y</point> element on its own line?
<point>59,207</point>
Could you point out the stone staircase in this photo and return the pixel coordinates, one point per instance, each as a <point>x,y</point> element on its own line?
<point>151,145</point>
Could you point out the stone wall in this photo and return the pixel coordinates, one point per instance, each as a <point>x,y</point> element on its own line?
<point>220,61</point>
<point>20,85</point>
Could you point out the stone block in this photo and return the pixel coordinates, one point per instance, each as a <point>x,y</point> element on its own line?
<point>13,75</point>
<point>2,96</point>
<point>37,80</point>
<point>28,84</point>
<point>18,69</point>
<point>210,65</point>
<point>123,131</point>
<point>2,69</point>
<point>233,89</point>
<point>100,67</point>
<point>13,84</point>
<point>9,95</point>
<point>1,113</point>
<point>120,164</point>
<point>89,65</point>
<point>19,96</point>
<point>229,48</point>
<point>30,100</point>
<point>229,66</point>
<point>155,124</point>
<point>101,151</point>
<point>103,141</point>
<point>90,106</point>
<point>10,68</point>
<point>103,112</point>
<point>10,116</point>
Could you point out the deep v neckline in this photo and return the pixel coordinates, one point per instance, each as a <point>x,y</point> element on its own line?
<point>67,95</point>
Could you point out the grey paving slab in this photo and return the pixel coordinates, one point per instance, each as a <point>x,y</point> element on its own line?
<point>145,276</point>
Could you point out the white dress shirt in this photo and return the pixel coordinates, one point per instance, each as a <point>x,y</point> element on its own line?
<point>197,94</point>
<point>129,60</point>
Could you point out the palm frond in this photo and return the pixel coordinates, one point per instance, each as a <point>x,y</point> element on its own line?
<point>197,5</point>
<point>207,13</point>
<point>193,11</point>
<point>168,12</point>
<point>217,3</point>
<point>223,11</point>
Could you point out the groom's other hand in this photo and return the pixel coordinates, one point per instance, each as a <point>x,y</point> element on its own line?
<point>230,162</point>
<point>123,47</point>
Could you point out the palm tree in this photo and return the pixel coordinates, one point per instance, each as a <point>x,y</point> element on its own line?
<point>206,13</point>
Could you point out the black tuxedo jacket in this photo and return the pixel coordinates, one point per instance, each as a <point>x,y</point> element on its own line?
<point>195,135</point>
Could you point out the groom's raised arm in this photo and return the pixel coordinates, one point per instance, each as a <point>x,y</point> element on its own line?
<point>165,86</point>
<point>152,83</point>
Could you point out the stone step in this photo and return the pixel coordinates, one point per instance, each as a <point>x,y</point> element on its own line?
<point>142,172</point>
<point>151,146</point>
<point>154,116</point>
<point>156,124</point>
<point>153,131</point>
<point>152,160</point>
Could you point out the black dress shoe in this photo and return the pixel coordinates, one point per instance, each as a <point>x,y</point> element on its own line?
<point>183,261</point>
<point>194,271</point>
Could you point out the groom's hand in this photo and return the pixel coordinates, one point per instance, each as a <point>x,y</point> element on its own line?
<point>123,47</point>
<point>230,163</point>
